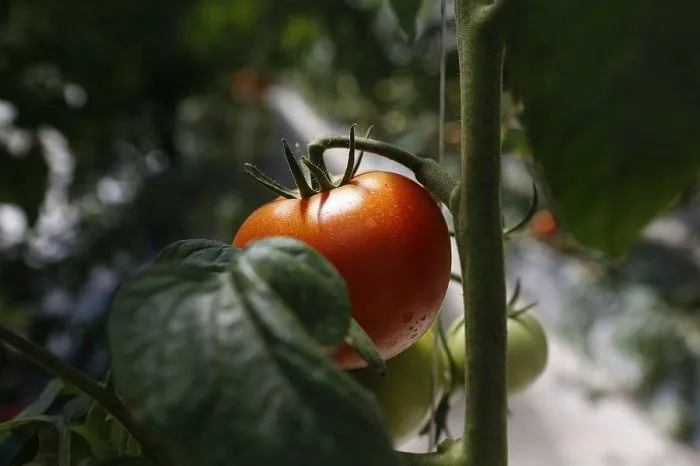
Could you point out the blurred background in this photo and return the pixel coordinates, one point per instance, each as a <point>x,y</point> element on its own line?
<point>124,126</point>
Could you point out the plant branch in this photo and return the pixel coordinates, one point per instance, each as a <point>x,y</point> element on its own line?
<point>428,172</point>
<point>105,397</point>
<point>479,230</point>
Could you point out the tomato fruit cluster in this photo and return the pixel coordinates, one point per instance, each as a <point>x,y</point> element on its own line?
<point>387,237</point>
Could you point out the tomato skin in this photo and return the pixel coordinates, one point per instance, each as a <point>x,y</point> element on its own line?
<point>527,352</point>
<point>388,239</point>
<point>404,391</point>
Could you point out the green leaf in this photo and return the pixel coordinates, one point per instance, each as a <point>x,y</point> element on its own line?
<point>96,430</point>
<point>288,267</point>
<point>216,364</point>
<point>8,426</point>
<point>203,252</point>
<point>52,431</point>
<point>51,391</point>
<point>406,12</point>
<point>612,108</point>
<point>76,409</point>
<point>120,439</point>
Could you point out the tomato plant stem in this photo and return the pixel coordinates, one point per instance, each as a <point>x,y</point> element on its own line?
<point>479,230</point>
<point>103,395</point>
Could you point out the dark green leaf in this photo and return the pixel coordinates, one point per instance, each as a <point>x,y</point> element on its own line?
<point>8,426</point>
<point>612,108</point>
<point>203,252</point>
<point>215,363</point>
<point>121,440</point>
<point>76,409</point>
<point>406,12</point>
<point>307,283</point>
<point>304,280</point>
<point>81,453</point>
<point>54,437</point>
<point>96,430</point>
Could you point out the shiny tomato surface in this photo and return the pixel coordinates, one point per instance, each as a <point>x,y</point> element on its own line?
<point>388,239</point>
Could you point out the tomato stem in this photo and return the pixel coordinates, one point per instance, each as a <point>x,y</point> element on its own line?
<point>350,167</point>
<point>479,229</point>
<point>428,172</point>
<point>362,154</point>
<point>268,182</point>
<point>305,190</point>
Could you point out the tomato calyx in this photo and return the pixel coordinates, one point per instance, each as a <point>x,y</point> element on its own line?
<point>427,171</point>
<point>320,180</point>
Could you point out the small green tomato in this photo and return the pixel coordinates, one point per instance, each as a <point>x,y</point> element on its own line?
<point>403,392</point>
<point>527,351</point>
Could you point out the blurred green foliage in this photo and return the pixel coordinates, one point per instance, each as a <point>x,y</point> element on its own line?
<point>127,120</point>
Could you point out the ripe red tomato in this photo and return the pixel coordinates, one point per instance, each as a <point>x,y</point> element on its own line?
<point>388,239</point>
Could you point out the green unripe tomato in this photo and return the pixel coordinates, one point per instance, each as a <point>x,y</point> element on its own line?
<point>527,351</point>
<point>403,392</point>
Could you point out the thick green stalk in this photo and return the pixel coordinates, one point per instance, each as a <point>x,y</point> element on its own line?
<point>479,235</point>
